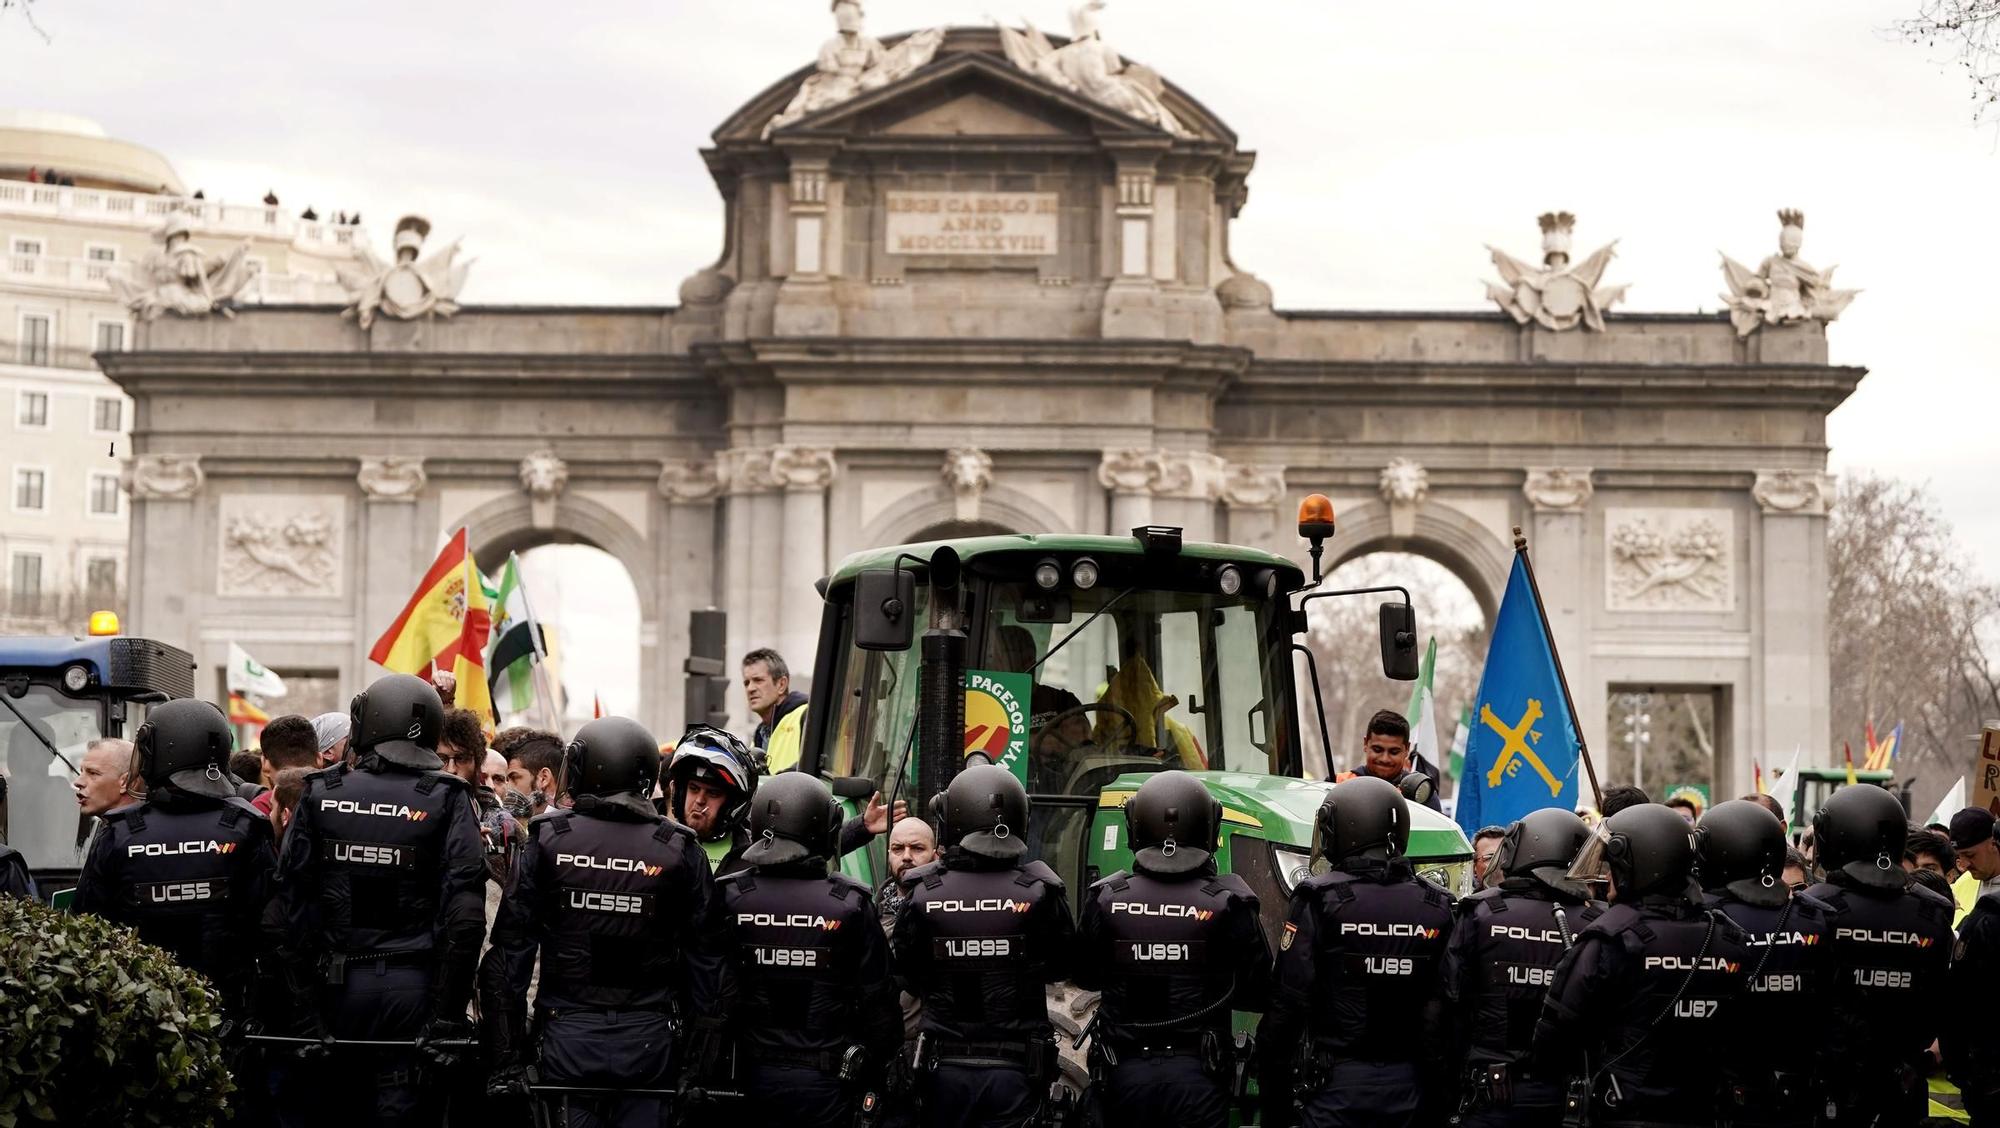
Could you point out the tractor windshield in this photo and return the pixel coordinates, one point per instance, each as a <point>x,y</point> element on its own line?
<point>42,821</point>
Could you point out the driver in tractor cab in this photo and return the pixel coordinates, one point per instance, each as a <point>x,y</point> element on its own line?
<point>1388,755</point>
<point>1134,694</point>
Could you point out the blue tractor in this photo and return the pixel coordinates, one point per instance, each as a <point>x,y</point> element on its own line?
<point>57,695</point>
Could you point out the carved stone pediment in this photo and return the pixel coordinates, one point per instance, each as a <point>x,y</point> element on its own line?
<point>392,478</point>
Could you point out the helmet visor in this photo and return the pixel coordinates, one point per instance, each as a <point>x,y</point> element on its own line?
<point>1592,865</point>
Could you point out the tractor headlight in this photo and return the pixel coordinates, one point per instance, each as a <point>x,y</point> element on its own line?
<point>1084,574</point>
<point>1293,866</point>
<point>75,678</point>
<point>1048,574</point>
<point>1228,580</point>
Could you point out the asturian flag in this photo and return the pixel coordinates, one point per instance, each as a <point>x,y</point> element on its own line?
<point>1524,747</point>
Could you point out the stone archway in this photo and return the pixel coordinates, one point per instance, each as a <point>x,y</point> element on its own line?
<point>1001,510</point>
<point>1440,532</point>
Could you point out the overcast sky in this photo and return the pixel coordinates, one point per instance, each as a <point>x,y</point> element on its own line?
<point>1393,139</point>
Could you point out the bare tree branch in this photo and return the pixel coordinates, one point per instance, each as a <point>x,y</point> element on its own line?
<point>27,10</point>
<point>1970,31</point>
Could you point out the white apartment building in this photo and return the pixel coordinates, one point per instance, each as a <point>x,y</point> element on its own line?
<point>76,204</point>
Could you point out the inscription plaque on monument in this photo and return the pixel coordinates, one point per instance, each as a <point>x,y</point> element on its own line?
<point>972,223</point>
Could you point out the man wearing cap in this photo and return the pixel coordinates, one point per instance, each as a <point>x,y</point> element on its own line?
<point>1978,857</point>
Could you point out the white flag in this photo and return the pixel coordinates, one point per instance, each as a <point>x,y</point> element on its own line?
<point>247,675</point>
<point>1788,793</point>
<point>1952,803</point>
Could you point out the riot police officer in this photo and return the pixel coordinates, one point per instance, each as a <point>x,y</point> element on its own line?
<point>1503,955</point>
<point>709,782</point>
<point>1355,1016</point>
<point>380,907</point>
<point>1971,1040</point>
<point>1889,955</point>
<point>983,933</point>
<point>1640,1006</point>
<point>812,965</point>
<point>1740,861</point>
<point>1174,947</point>
<point>618,902</point>
<point>189,867</point>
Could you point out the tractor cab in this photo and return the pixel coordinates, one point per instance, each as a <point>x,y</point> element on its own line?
<point>57,695</point>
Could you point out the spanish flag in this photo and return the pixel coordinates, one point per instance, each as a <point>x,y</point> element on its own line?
<point>242,712</point>
<point>444,626</point>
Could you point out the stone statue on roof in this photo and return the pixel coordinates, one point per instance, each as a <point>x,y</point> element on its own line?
<point>1784,288</point>
<point>408,288</point>
<point>1555,295</point>
<point>852,62</point>
<point>1087,65</point>
<point>178,278</point>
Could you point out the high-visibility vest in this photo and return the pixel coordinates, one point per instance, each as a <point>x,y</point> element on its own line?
<point>781,754</point>
<point>1945,1101</point>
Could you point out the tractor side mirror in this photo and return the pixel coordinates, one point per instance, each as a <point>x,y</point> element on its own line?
<point>883,615</point>
<point>1399,642</point>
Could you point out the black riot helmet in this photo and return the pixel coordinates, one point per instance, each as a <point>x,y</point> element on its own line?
<point>1540,845</point>
<point>1643,850</point>
<point>717,758</point>
<point>1740,847</point>
<point>986,809</point>
<point>792,818</point>
<point>1860,832</point>
<point>1363,817</point>
<point>398,718</point>
<point>184,746</point>
<point>613,759</point>
<point>1173,824</point>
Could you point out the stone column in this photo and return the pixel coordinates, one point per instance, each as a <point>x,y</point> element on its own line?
<point>1185,491</point>
<point>1794,706</point>
<point>686,562</point>
<point>1253,498</point>
<point>805,472</point>
<point>1559,507</point>
<point>748,581</point>
<point>805,301</point>
<point>390,486</point>
<point>1129,475</point>
<point>166,592</point>
<point>1132,303</point>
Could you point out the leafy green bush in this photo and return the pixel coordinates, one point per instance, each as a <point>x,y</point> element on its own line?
<point>98,1028</point>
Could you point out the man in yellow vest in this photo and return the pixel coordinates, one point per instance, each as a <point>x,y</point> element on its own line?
<point>767,687</point>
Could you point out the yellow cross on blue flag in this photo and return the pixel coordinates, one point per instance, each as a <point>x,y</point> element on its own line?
<point>1522,755</point>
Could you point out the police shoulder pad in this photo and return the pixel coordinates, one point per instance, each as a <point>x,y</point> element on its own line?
<point>1489,899</point>
<point>1936,906</point>
<point>1234,886</point>
<point>128,811</point>
<point>1038,871</point>
<point>235,809</point>
<point>555,820</point>
<point>930,875</point>
<point>666,830</point>
<point>842,887</point>
<point>430,781</point>
<point>739,881</point>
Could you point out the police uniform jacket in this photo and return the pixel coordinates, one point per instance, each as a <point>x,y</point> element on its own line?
<point>622,911</point>
<point>191,874</point>
<point>1359,964</point>
<point>979,941</point>
<point>1173,955</point>
<point>1971,1042</point>
<point>1641,1006</point>
<point>1502,958</point>
<point>812,967</point>
<point>382,863</point>
<point>1785,989</point>
<point>1889,953</point>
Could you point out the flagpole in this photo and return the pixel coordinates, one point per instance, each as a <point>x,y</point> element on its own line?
<point>1555,652</point>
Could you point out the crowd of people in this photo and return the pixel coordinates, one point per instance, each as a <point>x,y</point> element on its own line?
<point>407,926</point>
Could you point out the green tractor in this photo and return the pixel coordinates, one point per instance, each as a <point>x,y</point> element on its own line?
<point>1084,664</point>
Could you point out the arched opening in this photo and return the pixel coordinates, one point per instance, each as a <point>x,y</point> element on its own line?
<point>1343,638</point>
<point>591,623</point>
<point>956,530</point>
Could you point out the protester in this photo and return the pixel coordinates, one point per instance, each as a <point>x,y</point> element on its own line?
<point>493,772</point>
<point>767,686</point>
<point>285,791</point>
<point>1616,799</point>
<point>1686,808</point>
<point>1386,750</point>
<point>1799,871</point>
<point>331,731</point>
<point>1979,857</point>
<point>103,775</point>
<point>247,766</point>
<point>1485,846</point>
<point>1926,851</point>
<point>462,747</point>
<point>533,759</point>
<point>289,742</point>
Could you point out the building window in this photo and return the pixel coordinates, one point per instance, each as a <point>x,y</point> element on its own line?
<point>104,495</point>
<point>98,260</point>
<point>31,490</point>
<point>110,336</point>
<point>32,410</point>
<point>27,248</point>
<point>107,415</point>
<point>37,332</point>
<point>100,253</point>
<point>100,581</point>
<point>24,579</point>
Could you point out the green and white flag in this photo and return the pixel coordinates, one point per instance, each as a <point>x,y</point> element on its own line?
<point>247,675</point>
<point>1422,713</point>
<point>517,647</point>
<point>1951,804</point>
<point>1459,740</point>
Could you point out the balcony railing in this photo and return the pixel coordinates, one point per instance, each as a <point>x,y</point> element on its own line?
<point>90,274</point>
<point>210,217</point>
